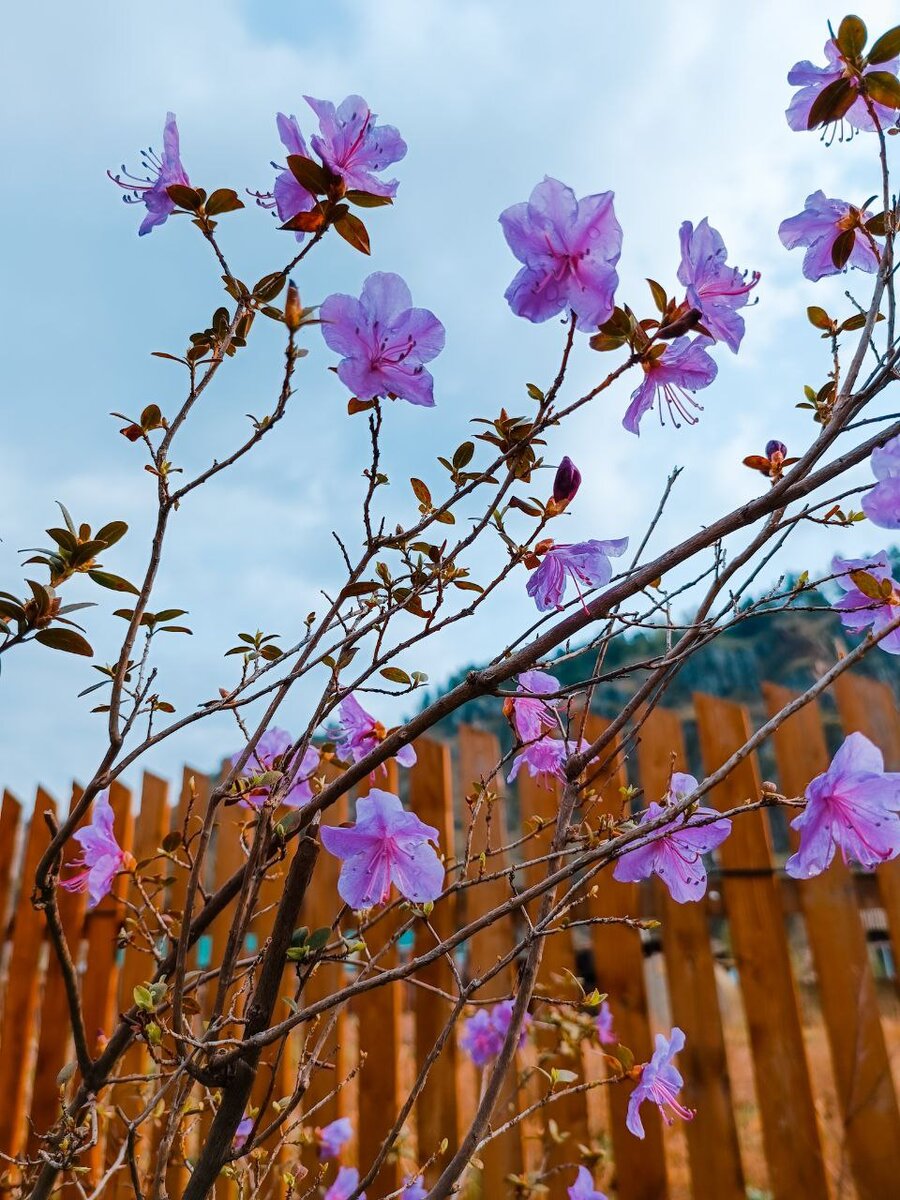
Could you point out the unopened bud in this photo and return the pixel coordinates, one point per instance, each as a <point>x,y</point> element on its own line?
<point>682,324</point>
<point>567,482</point>
<point>292,307</point>
<point>774,447</point>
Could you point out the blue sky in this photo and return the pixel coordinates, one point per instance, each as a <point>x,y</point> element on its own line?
<point>677,107</point>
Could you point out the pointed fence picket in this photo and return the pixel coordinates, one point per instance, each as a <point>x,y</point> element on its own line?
<point>746,928</point>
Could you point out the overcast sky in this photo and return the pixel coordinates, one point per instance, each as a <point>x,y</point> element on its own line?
<point>677,107</point>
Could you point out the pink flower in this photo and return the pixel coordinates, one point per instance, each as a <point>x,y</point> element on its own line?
<point>270,756</point>
<point>812,80</point>
<point>853,807</point>
<point>334,1137</point>
<point>151,190</point>
<point>675,851</point>
<point>387,844</point>
<point>882,504</point>
<point>829,227</point>
<point>605,1031</point>
<point>713,287</point>
<point>583,1187</point>
<point>585,563</point>
<point>530,714</point>
<point>545,759</point>
<point>360,733</point>
<point>660,1083</point>
<point>102,857</point>
<point>682,367</point>
<point>345,1185</point>
<point>569,248</point>
<point>242,1132</point>
<point>484,1034</point>
<point>858,609</point>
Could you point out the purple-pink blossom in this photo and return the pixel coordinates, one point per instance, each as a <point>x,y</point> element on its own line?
<point>882,503</point>
<point>858,611</point>
<point>345,1185</point>
<point>583,1187</point>
<point>585,563</point>
<point>359,733</point>
<point>386,845</point>
<point>242,1132</point>
<point>353,147</point>
<point>385,342</point>
<point>102,858</point>
<point>853,807</point>
<point>660,1083</point>
<point>162,172</point>
<point>713,287</point>
<point>288,196</point>
<point>531,715</point>
<point>672,371</point>
<point>545,759</point>
<point>484,1033</point>
<point>604,1022</point>
<point>818,227</point>
<point>270,755</point>
<point>569,249</point>
<point>675,850</point>
<point>812,80</point>
<point>332,1138</point>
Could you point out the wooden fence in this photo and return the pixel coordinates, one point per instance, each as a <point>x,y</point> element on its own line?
<point>785,992</point>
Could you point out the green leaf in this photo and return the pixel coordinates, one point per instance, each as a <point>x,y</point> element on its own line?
<point>70,524</point>
<point>463,454</point>
<point>353,231</point>
<point>423,495</point>
<point>115,583</point>
<point>270,286</point>
<point>658,292</point>
<point>831,103</point>
<point>885,47</point>
<point>184,197</point>
<point>223,200</point>
<point>367,199</point>
<point>64,639</point>
<point>308,174</point>
<point>843,248</point>
<point>395,675</point>
<point>819,317</point>
<point>867,584</point>
<point>318,939</point>
<point>852,35</point>
<point>143,998</point>
<point>112,532</point>
<point>883,88</point>
<point>534,391</point>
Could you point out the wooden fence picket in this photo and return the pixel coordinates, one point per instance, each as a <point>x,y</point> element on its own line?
<point>539,802</point>
<point>10,823</point>
<point>862,1068</point>
<point>755,912</point>
<point>619,961</point>
<point>713,1147</point>
<point>379,1015</point>
<point>437,1110</point>
<point>54,1046</point>
<point>479,754</point>
<point>151,826</point>
<point>867,706</point>
<point>20,1010</point>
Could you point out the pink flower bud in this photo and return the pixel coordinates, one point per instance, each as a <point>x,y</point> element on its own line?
<point>567,482</point>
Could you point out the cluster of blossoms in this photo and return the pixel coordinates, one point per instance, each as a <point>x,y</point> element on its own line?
<point>483,1034</point>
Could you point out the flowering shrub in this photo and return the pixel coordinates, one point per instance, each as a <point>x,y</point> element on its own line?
<point>408,579</point>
